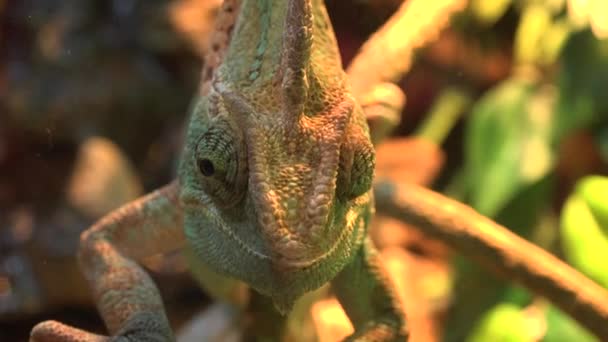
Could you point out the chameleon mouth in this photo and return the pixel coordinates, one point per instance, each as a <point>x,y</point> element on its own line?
<point>204,204</point>
<point>280,261</point>
<point>218,243</point>
<point>312,262</point>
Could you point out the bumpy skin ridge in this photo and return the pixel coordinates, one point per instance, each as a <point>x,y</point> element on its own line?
<point>219,40</point>
<point>273,185</point>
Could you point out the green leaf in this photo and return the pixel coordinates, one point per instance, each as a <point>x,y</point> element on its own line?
<point>594,190</point>
<point>505,323</point>
<point>554,40</point>
<point>522,214</point>
<point>584,244</point>
<point>561,327</point>
<point>488,12</point>
<point>534,23</point>
<point>583,80</point>
<point>476,290</point>
<point>602,141</point>
<point>507,143</point>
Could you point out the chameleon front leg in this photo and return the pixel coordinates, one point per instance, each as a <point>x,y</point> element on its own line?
<point>367,297</point>
<point>126,296</point>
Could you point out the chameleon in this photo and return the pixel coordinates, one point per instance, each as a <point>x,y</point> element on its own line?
<point>273,189</point>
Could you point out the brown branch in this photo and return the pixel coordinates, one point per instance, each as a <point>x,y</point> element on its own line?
<point>497,248</point>
<point>387,55</point>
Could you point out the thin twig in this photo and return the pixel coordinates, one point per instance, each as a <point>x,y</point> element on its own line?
<point>497,248</point>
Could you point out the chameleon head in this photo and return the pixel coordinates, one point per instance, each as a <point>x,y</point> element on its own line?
<point>277,168</point>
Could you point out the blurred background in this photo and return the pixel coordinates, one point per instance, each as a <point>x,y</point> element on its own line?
<point>507,111</point>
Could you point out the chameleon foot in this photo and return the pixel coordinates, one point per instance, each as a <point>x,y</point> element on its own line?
<point>53,331</point>
<point>143,329</point>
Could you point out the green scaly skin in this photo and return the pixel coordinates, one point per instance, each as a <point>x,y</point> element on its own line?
<point>273,190</point>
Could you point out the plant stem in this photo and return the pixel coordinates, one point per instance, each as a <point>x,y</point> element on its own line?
<point>494,246</point>
<point>387,55</point>
<point>445,113</point>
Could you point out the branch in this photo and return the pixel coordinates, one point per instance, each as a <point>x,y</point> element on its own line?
<point>497,248</point>
<point>387,55</point>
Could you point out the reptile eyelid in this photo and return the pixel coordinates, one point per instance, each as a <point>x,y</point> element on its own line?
<point>218,163</point>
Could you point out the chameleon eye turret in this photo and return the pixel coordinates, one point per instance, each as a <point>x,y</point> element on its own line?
<point>218,158</point>
<point>356,168</point>
<point>273,187</point>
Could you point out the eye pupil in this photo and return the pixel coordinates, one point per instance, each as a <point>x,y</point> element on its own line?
<point>206,167</point>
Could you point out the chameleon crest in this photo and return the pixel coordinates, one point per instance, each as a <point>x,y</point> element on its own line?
<point>278,164</point>
<point>273,190</point>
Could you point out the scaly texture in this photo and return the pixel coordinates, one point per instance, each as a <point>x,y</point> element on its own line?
<point>274,186</point>
<point>281,104</point>
<point>125,295</point>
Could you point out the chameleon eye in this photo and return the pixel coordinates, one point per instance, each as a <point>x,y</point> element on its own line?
<point>220,161</point>
<point>356,168</point>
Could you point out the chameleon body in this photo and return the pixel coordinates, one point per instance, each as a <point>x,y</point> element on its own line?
<point>273,188</point>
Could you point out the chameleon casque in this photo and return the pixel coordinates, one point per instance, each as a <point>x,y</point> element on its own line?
<point>273,188</point>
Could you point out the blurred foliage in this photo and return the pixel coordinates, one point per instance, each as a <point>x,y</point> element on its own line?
<point>560,327</point>
<point>584,228</point>
<point>489,12</point>
<point>525,145</point>
<point>582,84</point>
<point>515,92</point>
<point>506,145</point>
<point>505,322</point>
